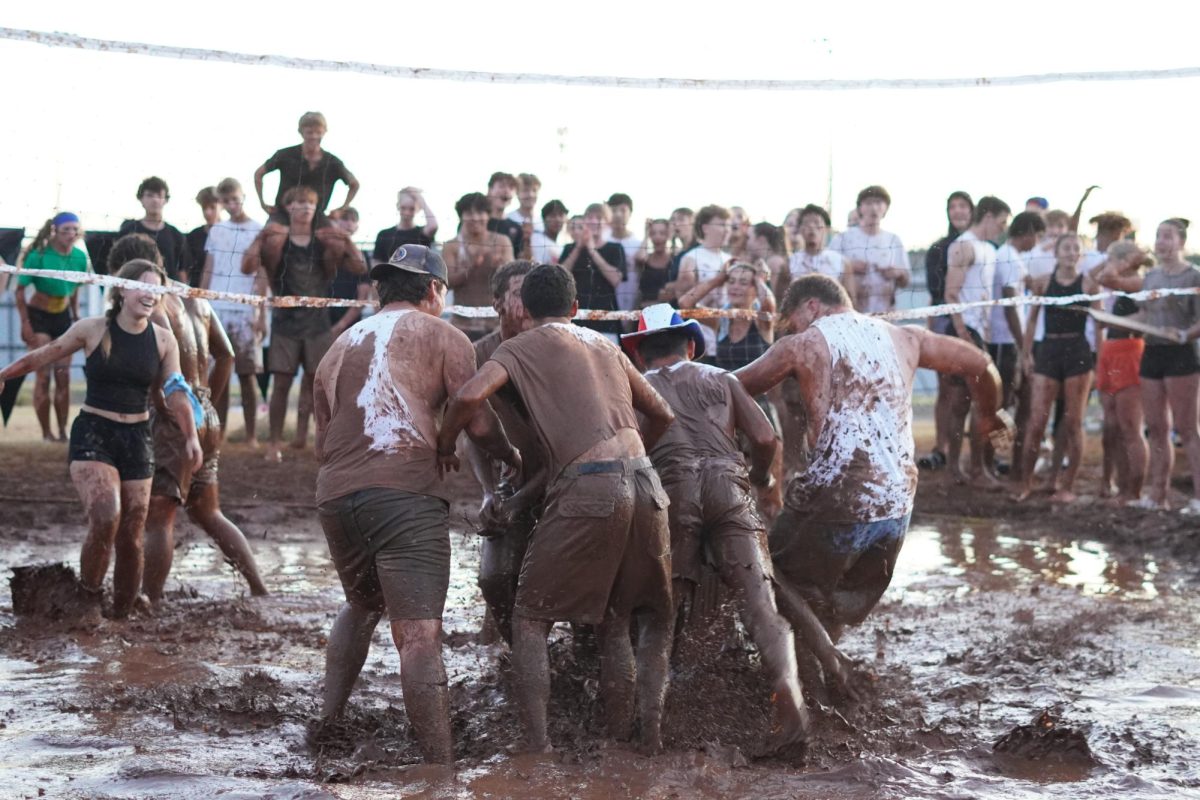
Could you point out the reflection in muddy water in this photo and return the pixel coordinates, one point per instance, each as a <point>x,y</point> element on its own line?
<point>984,628</point>
<point>989,555</point>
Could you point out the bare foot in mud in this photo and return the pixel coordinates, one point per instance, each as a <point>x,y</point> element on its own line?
<point>524,749</point>
<point>1023,495</point>
<point>274,454</point>
<point>1107,490</point>
<point>789,726</point>
<point>1063,496</point>
<point>986,482</point>
<point>960,477</point>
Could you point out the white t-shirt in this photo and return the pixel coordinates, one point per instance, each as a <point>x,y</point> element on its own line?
<point>977,285</point>
<point>1011,273</point>
<point>519,218</point>
<point>882,250</point>
<point>827,262</point>
<point>627,289</point>
<point>543,249</point>
<point>708,265</point>
<point>227,243</point>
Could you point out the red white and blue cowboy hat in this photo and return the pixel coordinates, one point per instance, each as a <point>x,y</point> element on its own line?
<point>657,319</point>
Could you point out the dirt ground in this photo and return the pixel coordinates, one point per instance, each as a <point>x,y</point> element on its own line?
<point>1022,651</point>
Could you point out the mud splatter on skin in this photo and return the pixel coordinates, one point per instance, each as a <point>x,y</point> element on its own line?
<point>585,335</point>
<point>387,419</point>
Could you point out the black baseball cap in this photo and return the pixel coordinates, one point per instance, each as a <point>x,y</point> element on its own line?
<point>414,258</point>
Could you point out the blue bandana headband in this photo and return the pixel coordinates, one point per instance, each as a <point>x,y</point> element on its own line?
<point>63,217</point>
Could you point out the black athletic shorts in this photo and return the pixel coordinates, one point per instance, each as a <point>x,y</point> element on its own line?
<point>127,446</point>
<point>1005,358</point>
<point>1059,359</point>
<point>51,324</point>
<point>1169,361</point>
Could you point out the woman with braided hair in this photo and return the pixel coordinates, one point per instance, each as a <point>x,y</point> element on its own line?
<point>111,455</point>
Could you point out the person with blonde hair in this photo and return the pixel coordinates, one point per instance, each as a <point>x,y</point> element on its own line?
<point>129,360</point>
<point>306,164</point>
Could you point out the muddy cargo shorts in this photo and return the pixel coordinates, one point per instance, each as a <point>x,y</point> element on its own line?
<point>823,560</point>
<point>391,549</point>
<point>601,546</point>
<point>173,474</point>
<point>709,503</point>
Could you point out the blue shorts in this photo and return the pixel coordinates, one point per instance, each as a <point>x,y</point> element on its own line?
<point>827,561</point>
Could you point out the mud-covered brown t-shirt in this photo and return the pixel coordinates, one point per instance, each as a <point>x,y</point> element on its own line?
<point>702,399</point>
<point>378,398</point>
<point>573,382</point>
<point>512,412</point>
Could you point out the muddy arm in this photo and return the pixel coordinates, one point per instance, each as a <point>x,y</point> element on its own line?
<point>752,421</point>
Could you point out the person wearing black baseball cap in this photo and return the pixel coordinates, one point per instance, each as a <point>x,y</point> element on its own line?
<point>377,399</point>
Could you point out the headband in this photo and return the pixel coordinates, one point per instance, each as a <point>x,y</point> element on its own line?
<point>64,217</point>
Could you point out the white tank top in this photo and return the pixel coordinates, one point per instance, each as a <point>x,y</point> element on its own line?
<point>978,284</point>
<point>862,468</point>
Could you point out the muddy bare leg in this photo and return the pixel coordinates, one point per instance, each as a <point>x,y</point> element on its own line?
<point>249,406</point>
<point>618,677</point>
<point>814,634</point>
<point>531,678</point>
<point>62,398</point>
<point>41,400</point>
<point>653,665</point>
<point>204,509</point>
<point>304,407</point>
<point>159,546</point>
<point>423,680</point>
<point>744,569</point>
<point>99,490</point>
<point>345,654</point>
<point>278,408</point>
<point>127,569</point>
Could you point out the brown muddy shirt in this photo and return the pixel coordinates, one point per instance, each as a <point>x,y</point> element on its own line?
<point>573,382</point>
<point>512,412</point>
<point>377,415</point>
<point>701,397</point>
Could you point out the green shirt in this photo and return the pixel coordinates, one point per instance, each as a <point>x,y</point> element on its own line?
<point>75,261</point>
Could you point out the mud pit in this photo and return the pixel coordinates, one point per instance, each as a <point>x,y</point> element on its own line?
<point>990,629</point>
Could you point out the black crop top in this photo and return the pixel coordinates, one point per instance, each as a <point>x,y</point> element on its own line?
<point>1060,321</point>
<point>121,383</point>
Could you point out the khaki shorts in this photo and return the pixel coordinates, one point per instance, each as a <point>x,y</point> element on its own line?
<point>710,503</point>
<point>173,475</point>
<point>247,343</point>
<point>601,547</point>
<point>391,549</point>
<point>287,353</point>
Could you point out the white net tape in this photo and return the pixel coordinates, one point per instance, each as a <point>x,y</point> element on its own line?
<point>584,314</point>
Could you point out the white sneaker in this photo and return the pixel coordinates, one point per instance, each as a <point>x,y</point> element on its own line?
<point>1192,509</point>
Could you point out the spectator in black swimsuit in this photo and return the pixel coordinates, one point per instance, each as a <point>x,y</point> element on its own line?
<point>111,453</point>
<point>654,262</point>
<point>1064,361</point>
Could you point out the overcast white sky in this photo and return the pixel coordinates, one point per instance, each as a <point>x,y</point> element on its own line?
<point>83,128</point>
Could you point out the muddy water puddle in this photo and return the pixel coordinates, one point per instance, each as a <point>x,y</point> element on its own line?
<point>1079,659</point>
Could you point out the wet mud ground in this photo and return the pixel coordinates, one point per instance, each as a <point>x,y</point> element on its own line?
<point>1019,653</point>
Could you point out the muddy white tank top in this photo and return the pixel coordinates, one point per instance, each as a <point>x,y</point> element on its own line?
<point>862,467</point>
